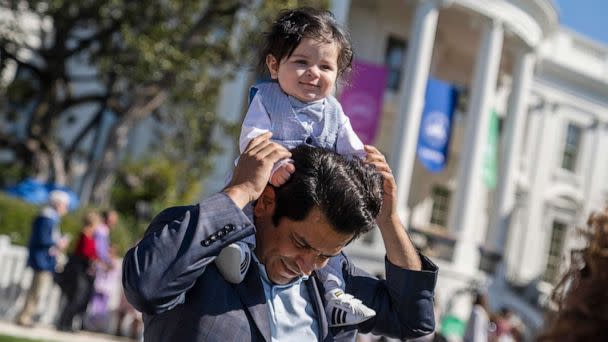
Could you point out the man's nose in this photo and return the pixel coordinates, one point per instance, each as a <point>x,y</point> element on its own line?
<point>306,263</point>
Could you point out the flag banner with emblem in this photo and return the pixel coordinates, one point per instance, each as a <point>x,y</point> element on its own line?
<point>436,124</point>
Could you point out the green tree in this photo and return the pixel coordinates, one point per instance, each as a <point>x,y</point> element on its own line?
<point>134,59</point>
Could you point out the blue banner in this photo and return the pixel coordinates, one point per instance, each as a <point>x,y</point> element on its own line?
<point>436,124</point>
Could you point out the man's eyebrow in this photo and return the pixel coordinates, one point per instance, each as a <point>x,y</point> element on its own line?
<point>305,243</point>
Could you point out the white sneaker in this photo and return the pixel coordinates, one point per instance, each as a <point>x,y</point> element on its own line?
<point>344,309</point>
<point>233,262</point>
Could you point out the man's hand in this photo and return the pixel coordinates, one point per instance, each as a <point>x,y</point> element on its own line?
<point>253,169</point>
<point>388,211</point>
<point>399,249</point>
<point>63,243</point>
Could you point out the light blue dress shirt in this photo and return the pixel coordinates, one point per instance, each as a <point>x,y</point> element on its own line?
<point>291,313</point>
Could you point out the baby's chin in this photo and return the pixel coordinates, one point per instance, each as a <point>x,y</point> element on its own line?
<point>309,97</point>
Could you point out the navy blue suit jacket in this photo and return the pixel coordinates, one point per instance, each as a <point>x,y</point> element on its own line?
<point>41,241</point>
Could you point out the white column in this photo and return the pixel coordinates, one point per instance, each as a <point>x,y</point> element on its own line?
<point>595,166</point>
<point>545,152</point>
<point>512,256</point>
<point>511,149</point>
<point>414,77</point>
<point>469,190</point>
<point>340,9</point>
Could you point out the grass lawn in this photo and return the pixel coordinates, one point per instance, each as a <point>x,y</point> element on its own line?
<point>6,338</point>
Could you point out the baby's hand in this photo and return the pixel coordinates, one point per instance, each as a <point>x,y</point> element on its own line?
<point>282,174</point>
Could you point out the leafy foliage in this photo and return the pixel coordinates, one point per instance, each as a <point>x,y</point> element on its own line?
<point>88,71</point>
<point>85,63</point>
<point>16,219</point>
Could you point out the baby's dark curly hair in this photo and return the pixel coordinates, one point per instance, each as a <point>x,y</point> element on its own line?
<point>581,296</point>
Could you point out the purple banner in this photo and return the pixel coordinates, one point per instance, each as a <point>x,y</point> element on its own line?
<point>362,98</point>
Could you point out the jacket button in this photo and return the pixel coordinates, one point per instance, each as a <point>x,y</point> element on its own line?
<point>220,233</point>
<point>308,140</point>
<point>205,243</point>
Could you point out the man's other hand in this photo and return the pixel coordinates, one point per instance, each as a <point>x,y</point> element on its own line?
<point>388,212</point>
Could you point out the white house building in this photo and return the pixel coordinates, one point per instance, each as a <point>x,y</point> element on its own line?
<point>549,87</point>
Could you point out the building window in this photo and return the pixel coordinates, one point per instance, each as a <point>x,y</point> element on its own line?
<point>441,204</point>
<point>394,59</point>
<point>571,149</point>
<point>556,247</point>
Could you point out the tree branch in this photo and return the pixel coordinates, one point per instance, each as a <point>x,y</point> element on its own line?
<point>69,102</point>
<point>94,122</point>
<point>84,131</point>
<point>82,78</point>
<point>149,106</point>
<point>66,21</point>
<point>205,22</point>
<point>9,141</point>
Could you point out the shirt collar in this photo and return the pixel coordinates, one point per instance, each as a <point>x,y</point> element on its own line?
<point>50,212</point>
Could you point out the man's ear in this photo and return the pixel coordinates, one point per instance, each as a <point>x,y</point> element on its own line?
<point>264,206</point>
<point>273,66</point>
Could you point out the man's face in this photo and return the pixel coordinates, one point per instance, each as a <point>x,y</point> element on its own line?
<point>295,248</point>
<point>62,208</point>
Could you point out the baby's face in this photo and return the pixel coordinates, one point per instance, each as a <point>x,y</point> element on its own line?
<point>310,73</point>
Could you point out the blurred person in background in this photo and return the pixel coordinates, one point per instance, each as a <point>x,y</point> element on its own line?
<point>101,235</point>
<point>106,276</point>
<point>44,245</point>
<point>478,325</point>
<point>504,326</point>
<point>126,311</point>
<point>79,274</point>
<point>580,296</point>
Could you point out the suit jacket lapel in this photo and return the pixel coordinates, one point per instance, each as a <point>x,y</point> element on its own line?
<point>315,297</point>
<point>252,295</point>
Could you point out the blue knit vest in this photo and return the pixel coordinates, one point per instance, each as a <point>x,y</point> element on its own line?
<point>286,128</point>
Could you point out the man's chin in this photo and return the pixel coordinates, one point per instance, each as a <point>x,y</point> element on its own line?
<point>280,279</point>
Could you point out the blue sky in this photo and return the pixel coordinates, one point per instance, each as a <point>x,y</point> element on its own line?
<point>589,17</point>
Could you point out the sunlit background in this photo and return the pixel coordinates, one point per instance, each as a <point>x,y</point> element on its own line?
<point>493,115</point>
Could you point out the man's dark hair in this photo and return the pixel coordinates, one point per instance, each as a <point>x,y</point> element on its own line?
<point>291,26</point>
<point>347,191</point>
